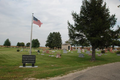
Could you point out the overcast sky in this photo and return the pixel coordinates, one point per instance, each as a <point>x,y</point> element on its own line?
<point>16,15</point>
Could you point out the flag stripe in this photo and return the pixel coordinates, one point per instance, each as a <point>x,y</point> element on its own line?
<point>36,21</point>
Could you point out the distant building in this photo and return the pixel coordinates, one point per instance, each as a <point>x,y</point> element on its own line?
<point>66,46</point>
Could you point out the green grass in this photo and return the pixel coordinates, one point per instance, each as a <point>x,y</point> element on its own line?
<point>10,60</point>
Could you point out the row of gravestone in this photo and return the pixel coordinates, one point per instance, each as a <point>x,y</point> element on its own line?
<point>82,55</point>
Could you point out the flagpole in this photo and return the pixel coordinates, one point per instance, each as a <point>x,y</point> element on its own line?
<point>31,34</point>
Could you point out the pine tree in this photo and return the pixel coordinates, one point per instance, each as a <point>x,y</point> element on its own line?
<point>7,43</point>
<point>93,24</point>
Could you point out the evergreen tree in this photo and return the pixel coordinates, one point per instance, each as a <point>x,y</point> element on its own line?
<point>93,24</point>
<point>7,43</point>
<point>115,37</point>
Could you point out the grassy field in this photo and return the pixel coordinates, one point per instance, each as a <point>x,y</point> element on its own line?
<point>10,60</point>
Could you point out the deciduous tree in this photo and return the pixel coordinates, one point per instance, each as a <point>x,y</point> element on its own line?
<point>35,43</point>
<point>54,40</point>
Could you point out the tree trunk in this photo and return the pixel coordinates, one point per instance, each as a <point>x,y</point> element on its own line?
<point>93,54</point>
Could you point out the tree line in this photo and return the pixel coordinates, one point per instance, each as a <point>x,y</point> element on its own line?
<point>35,43</point>
<point>53,40</point>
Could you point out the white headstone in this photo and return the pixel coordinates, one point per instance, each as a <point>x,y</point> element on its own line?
<point>79,51</point>
<point>90,49</point>
<point>76,47</point>
<point>21,50</point>
<point>53,51</point>
<point>64,51</point>
<point>52,55</point>
<point>115,49</point>
<point>42,54</point>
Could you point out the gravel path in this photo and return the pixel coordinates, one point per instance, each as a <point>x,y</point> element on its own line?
<point>103,72</point>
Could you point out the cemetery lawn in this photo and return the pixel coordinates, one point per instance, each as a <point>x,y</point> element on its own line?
<point>10,60</point>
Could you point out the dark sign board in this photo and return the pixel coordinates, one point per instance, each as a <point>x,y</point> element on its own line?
<point>28,58</point>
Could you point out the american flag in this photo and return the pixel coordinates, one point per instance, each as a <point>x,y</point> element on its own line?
<point>36,21</point>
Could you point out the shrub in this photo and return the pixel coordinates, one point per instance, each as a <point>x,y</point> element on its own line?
<point>18,50</point>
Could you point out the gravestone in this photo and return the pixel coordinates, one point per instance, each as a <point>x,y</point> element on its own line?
<point>83,50</point>
<point>90,49</point>
<point>90,54</point>
<point>52,55</point>
<point>47,51</point>
<point>58,56</point>
<point>87,52</point>
<point>110,49</point>
<point>105,50</point>
<point>53,51</point>
<point>96,49</point>
<point>76,47</point>
<point>21,50</point>
<point>81,55</point>
<point>115,49</point>
<point>99,54</point>
<point>64,51</point>
<point>43,51</point>
<point>42,54</point>
<point>118,54</point>
<point>79,51</point>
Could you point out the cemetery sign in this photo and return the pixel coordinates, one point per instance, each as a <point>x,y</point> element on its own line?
<point>28,59</point>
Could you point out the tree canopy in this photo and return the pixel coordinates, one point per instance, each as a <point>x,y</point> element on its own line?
<point>7,42</point>
<point>54,40</point>
<point>93,25</point>
<point>21,44</point>
<point>28,44</point>
<point>35,43</point>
